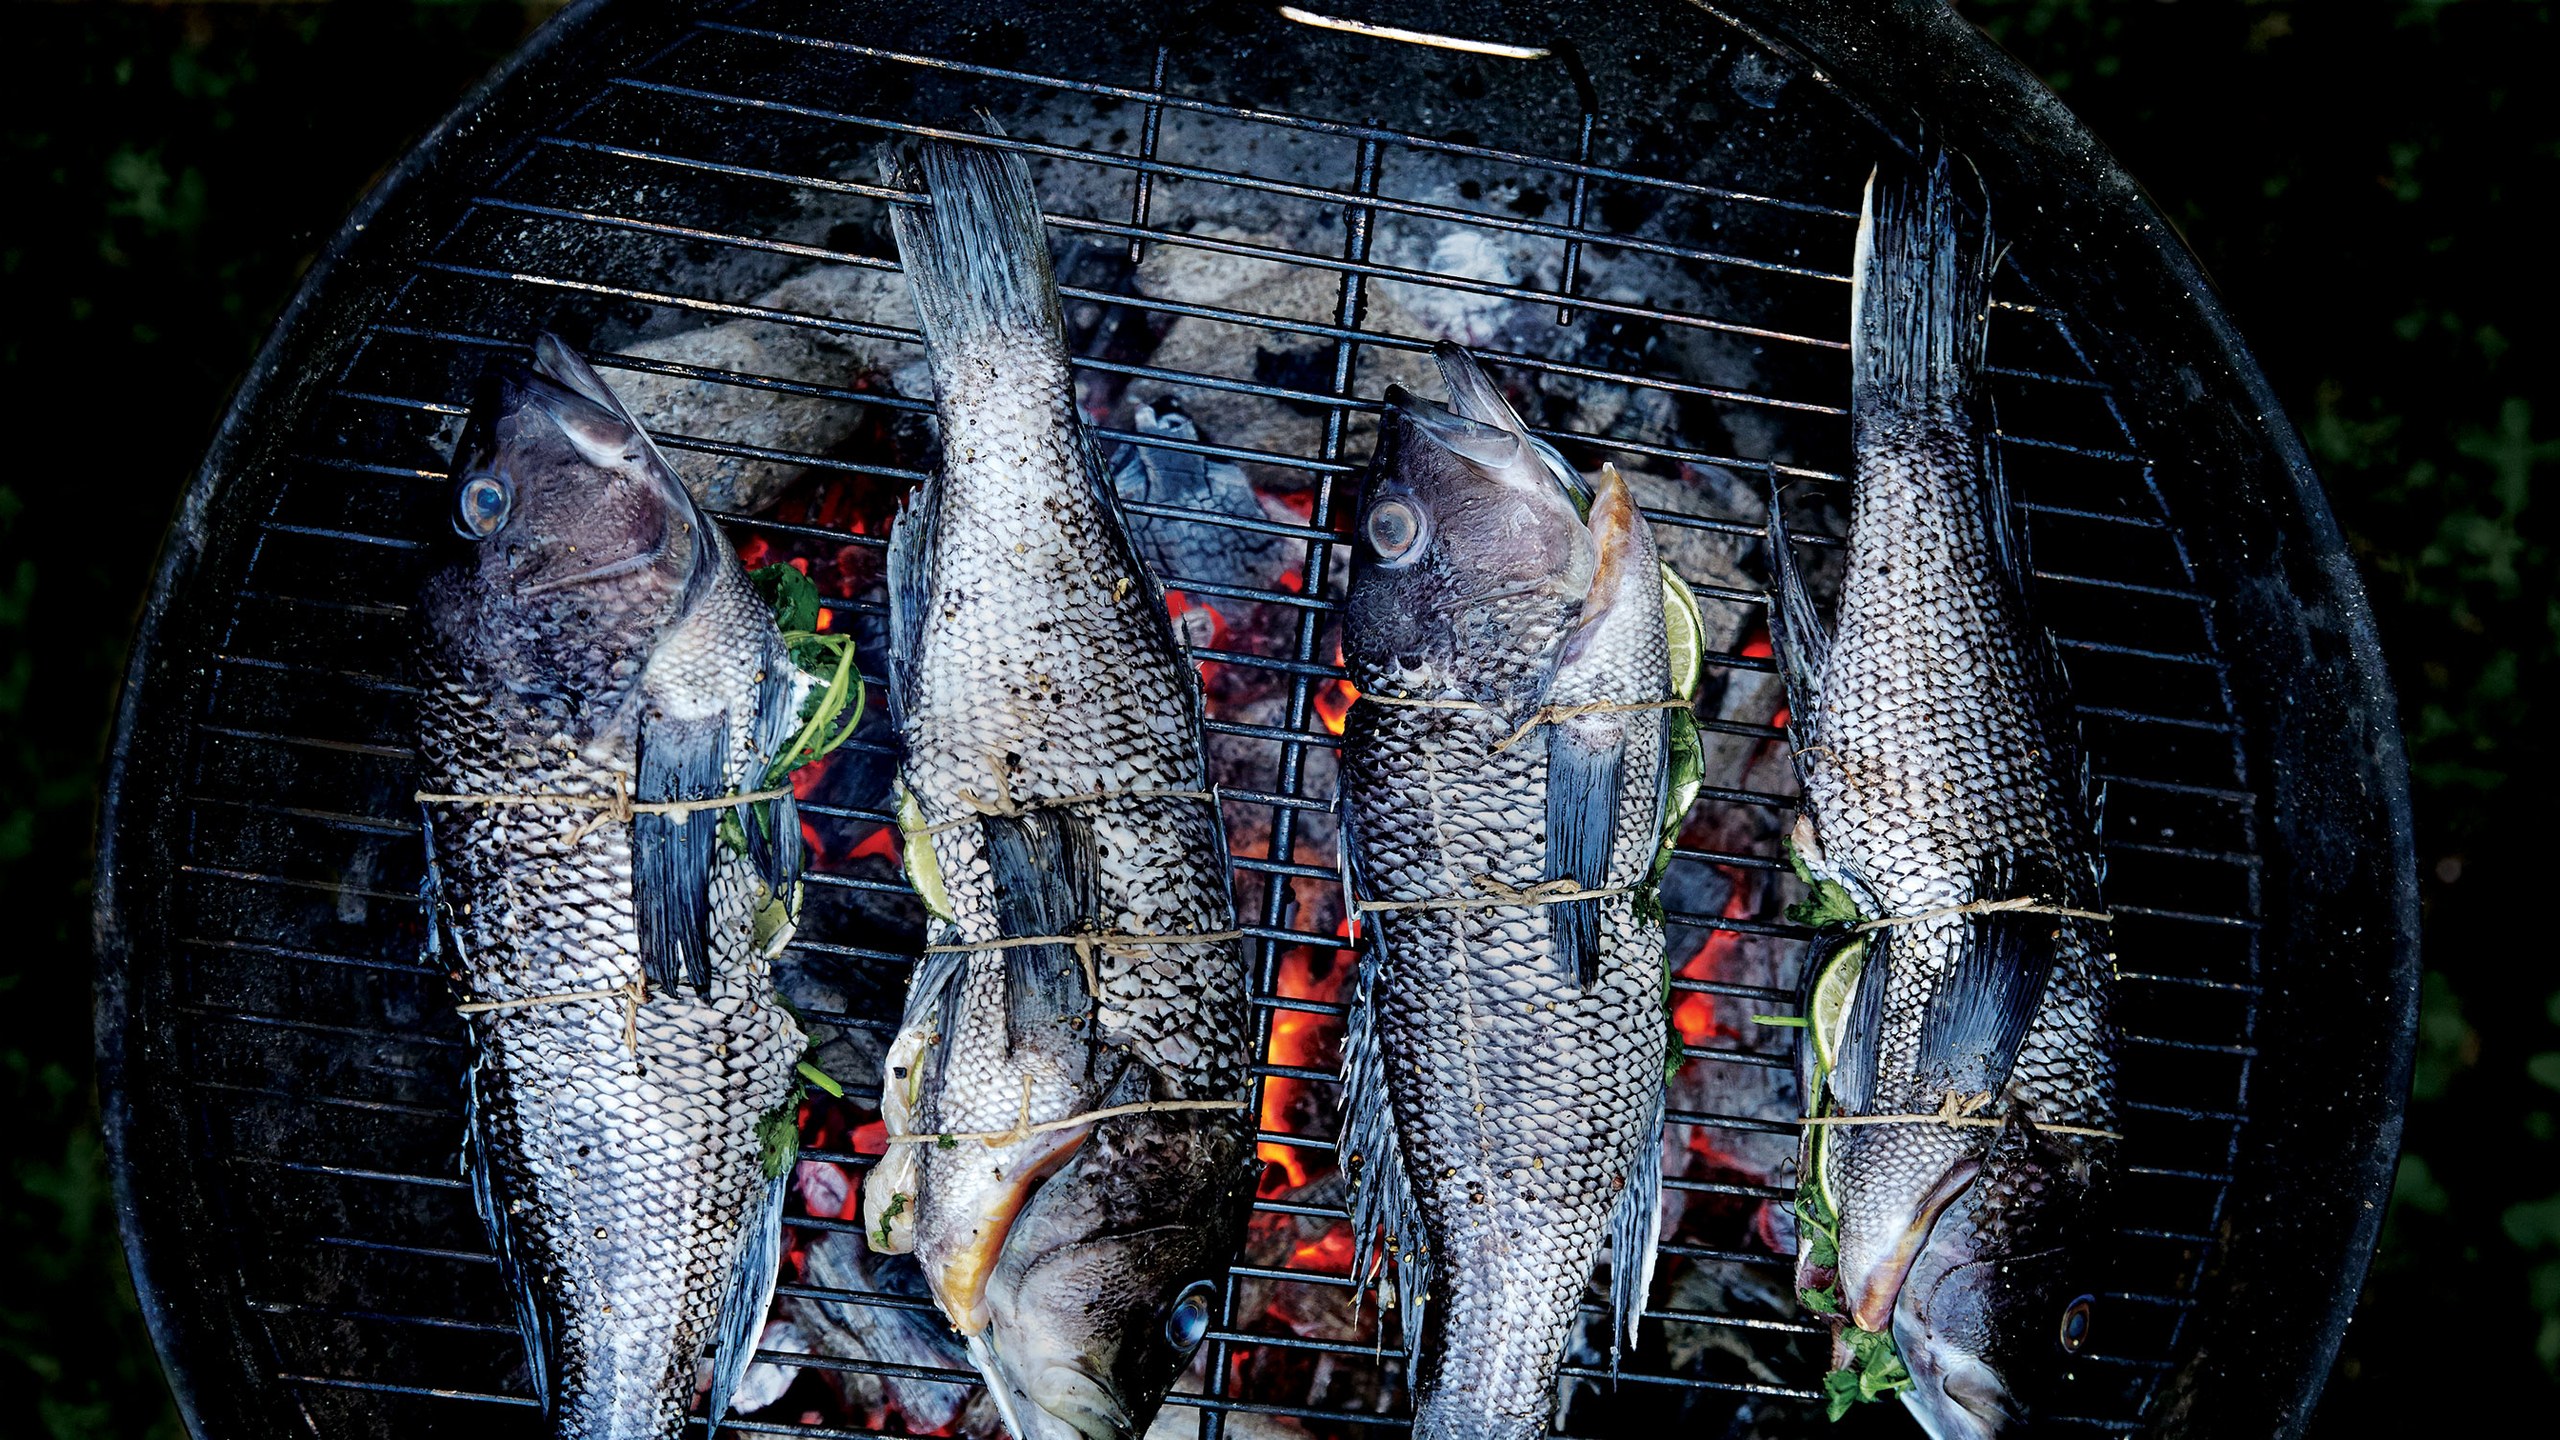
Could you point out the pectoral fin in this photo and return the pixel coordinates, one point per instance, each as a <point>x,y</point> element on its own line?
<point>1044,873</point>
<point>671,856</point>
<point>1582,829</point>
<point>1979,1015</point>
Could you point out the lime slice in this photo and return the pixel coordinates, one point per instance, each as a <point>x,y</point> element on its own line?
<point>924,871</point>
<point>1831,995</point>
<point>1686,631</point>
<point>1829,1016</point>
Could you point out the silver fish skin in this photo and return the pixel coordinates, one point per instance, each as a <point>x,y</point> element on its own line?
<point>1504,1062</point>
<point>597,635</point>
<point>1053,748</point>
<point>1941,767</point>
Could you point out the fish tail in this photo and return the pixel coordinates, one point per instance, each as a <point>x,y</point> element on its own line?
<point>1920,288</point>
<point>977,257</point>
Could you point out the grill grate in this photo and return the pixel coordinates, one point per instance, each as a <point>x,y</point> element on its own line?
<point>687,191</point>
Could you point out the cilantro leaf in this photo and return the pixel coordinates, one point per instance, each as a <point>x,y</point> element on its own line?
<point>793,596</point>
<point>1828,905</point>
<point>1839,1393</point>
<point>778,1137</point>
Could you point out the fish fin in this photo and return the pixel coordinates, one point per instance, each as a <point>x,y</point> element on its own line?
<point>934,995</point>
<point>1853,1072</point>
<point>1635,1233</point>
<point>670,857</point>
<point>524,1291</point>
<point>1582,831</point>
<point>1979,1013</point>
<point>977,258</point>
<point>1920,292</point>
<point>1381,1195</point>
<point>1043,869</point>
<point>773,828</point>
<point>1124,540</point>
<point>910,584</point>
<point>1796,633</point>
<point>743,1305</point>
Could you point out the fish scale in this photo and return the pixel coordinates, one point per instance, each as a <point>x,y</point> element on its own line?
<point>1519,1097</point>
<point>1940,767</point>
<point>1046,711</point>
<point>1503,1078</point>
<point>616,1155</point>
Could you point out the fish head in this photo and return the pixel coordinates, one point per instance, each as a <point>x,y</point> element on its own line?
<point>1997,1302</point>
<point>573,529</point>
<point>1112,1272</point>
<point>1469,561</point>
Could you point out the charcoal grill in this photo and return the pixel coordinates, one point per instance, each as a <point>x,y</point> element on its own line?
<point>1653,202</point>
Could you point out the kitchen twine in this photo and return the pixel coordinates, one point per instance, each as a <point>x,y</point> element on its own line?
<point>618,806</point>
<point>630,995</point>
<point>1084,945</point>
<point>1011,808</point>
<point>1543,715</point>
<point>1957,1111</point>
<point>1023,1129</point>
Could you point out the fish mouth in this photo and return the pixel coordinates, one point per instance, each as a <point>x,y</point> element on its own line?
<point>1059,1403</point>
<point>1869,1287</point>
<point>1964,1400</point>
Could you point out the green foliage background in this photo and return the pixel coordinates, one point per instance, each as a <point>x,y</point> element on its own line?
<point>2362,178</point>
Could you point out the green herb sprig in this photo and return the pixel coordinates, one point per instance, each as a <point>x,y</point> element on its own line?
<point>1829,904</point>
<point>831,714</point>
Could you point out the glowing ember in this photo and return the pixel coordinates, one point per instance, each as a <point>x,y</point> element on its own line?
<point>880,844</point>
<point>1328,1254</point>
<point>1305,1041</point>
<point>1696,1015</point>
<point>1333,698</point>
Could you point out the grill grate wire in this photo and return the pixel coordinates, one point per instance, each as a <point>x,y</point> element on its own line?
<point>346,521</point>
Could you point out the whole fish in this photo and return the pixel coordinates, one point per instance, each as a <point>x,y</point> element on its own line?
<point>1941,770</point>
<point>596,638</point>
<point>1504,1062</point>
<point>1056,787</point>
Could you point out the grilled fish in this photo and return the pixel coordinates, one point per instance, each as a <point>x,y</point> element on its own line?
<point>1055,777</point>
<point>1504,1061</point>
<point>595,637</point>
<point>1941,769</point>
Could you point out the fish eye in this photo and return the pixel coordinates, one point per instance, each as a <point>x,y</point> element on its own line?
<point>481,507</point>
<point>1394,530</point>
<point>1189,1318</point>
<point>2075,1323</point>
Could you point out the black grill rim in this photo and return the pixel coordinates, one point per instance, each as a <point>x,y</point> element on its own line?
<point>2339,905</point>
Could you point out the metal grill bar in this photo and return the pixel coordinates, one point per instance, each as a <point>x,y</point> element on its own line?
<point>1298,667</point>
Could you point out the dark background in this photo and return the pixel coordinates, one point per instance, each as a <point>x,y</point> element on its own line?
<point>2360,176</point>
